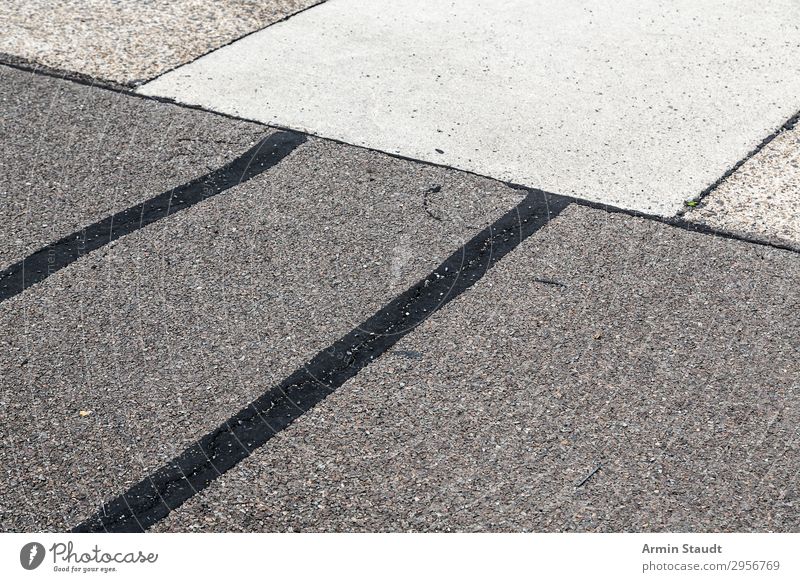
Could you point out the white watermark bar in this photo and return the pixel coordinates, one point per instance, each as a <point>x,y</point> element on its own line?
<point>415,556</point>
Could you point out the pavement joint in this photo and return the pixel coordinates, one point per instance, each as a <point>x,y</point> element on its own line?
<point>676,221</point>
<point>647,110</point>
<point>55,256</point>
<point>230,42</point>
<point>698,200</point>
<point>119,43</point>
<point>28,65</point>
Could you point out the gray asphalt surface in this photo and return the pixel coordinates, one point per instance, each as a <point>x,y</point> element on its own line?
<point>164,334</point>
<point>611,374</point>
<point>668,358</point>
<point>73,154</point>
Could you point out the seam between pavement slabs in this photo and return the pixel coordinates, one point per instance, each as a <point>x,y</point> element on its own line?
<point>31,65</point>
<point>138,82</point>
<point>683,224</point>
<point>55,256</point>
<point>788,125</point>
<point>676,221</point>
<point>168,487</point>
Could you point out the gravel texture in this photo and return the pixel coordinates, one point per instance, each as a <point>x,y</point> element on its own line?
<point>161,336</point>
<point>73,155</point>
<point>638,104</point>
<point>669,359</point>
<point>762,198</point>
<point>128,41</point>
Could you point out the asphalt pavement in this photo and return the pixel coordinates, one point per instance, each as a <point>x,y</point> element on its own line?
<point>479,266</point>
<point>581,385</point>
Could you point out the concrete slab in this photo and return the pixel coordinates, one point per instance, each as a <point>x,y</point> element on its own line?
<point>113,365</point>
<point>762,198</point>
<point>126,41</point>
<point>73,155</point>
<point>666,358</point>
<point>636,104</point>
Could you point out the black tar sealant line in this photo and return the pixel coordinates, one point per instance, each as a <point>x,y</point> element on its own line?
<point>55,256</point>
<point>197,467</point>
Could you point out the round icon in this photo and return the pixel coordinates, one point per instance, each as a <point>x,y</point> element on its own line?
<point>31,555</point>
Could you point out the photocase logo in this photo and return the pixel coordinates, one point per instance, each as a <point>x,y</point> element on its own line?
<point>31,555</point>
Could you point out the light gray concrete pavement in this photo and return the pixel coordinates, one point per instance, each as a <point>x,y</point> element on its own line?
<point>762,198</point>
<point>669,358</point>
<point>126,41</point>
<point>641,105</point>
<point>161,336</point>
<point>73,155</point>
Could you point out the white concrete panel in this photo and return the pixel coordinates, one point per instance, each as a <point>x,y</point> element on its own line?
<point>639,104</point>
